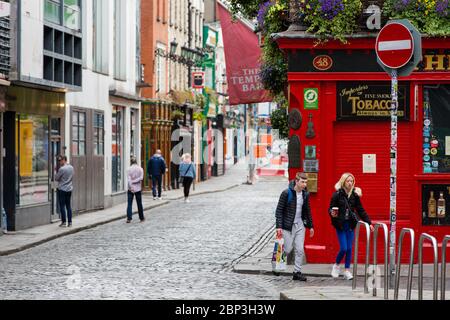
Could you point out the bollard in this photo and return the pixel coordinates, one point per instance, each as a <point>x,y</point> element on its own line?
<point>386,272</point>
<point>411,259</point>
<point>355,263</point>
<point>443,266</point>
<point>424,236</point>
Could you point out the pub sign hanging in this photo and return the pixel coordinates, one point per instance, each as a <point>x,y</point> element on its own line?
<point>370,101</point>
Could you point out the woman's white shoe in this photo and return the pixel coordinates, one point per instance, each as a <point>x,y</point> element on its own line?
<point>348,275</point>
<point>335,271</point>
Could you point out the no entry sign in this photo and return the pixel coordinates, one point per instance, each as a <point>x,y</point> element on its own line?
<point>394,45</point>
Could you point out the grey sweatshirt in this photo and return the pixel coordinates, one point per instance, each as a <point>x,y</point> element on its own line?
<point>64,178</point>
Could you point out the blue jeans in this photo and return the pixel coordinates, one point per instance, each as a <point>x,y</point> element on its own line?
<point>345,238</point>
<point>64,203</point>
<point>156,181</point>
<point>139,205</point>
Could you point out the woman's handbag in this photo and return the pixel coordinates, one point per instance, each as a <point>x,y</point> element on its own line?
<point>181,178</point>
<point>279,256</point>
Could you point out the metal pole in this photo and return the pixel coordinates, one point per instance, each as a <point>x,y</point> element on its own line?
<point>424,236</point>
<point>443,266</point>
<point>393,177</point>
<point>411,260</point>
<point>386,271</point>
<point>355,261</point>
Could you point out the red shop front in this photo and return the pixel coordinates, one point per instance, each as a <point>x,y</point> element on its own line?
<point>343,97</point>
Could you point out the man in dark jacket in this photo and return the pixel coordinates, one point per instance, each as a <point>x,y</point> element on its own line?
<point>156,167</point>
<point>293,215</point>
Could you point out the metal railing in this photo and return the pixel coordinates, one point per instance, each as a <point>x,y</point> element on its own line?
<point>443,265</point>
<point>424,236</point>
<point>386,269</point>
<point>411,259</point>
<point>355,263</point>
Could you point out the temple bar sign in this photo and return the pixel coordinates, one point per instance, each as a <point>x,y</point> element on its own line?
<point>369,101</point>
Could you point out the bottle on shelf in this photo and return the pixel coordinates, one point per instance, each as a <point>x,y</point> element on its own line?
<point>441,206</point>
<point>432,206</point>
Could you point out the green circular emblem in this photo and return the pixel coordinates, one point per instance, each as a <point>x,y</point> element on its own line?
<point>311,96</point>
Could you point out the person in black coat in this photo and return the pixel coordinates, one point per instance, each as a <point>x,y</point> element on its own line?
<point>345,207</point>
<point>293,215</point>
<point>156,167</point>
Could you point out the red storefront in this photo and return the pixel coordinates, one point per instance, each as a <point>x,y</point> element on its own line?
<point>343,96</point>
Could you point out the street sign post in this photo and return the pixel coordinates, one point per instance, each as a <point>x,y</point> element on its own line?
<point>399,50</point>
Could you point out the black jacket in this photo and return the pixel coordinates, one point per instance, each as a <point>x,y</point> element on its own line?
<point>340,200</point>
<point>285,213</point>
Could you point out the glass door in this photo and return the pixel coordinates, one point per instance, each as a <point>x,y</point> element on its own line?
<point>55,150</point>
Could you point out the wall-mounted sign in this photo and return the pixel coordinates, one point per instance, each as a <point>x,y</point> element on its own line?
<point>369,163</point>
<point>447,145</point>
<point>323,62</point>
<point>311,98</point>
<point>198,79</point>
<point>310,152</point>
<point>369,101</point>
<point>312,182</point>
<point>311,165</point>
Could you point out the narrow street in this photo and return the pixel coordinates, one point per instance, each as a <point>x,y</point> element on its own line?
<point>182,251</point>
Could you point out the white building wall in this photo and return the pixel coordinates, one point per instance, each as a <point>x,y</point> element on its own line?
<point>32,35</point>
<point>96,87</point>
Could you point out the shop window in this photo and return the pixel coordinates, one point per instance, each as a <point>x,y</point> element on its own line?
<point>436,129</point>
<point>435,204</point>
<point>117,148</point>
<point>32,166</point>
<point>78,133</point>
<point>133,132</point>
<point>99,134</point>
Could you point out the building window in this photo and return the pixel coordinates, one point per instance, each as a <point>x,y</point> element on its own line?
<point>72,14</point>
<point>70,11</point>
<point>133,132</point>
<point>99,134</point>
<point>117,148</point>
<point>161,70</point>
<point>52,11</point>
<point>436,129</point>
<point>101,36</point>
<point>78,133</point>
<point>32,165</point>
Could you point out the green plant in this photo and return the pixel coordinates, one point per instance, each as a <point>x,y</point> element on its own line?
<point>331,18</point>
<point>200,100</point>
<point>177,114</point>
<point>431,17</point>
<point>279,118</point>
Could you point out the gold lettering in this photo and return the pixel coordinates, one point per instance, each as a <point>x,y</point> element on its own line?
<point>434,62</point>
<point>353,100</point>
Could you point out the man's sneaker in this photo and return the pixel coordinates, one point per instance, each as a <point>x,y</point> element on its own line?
<point>348,275</point>
<point>63,224</point>
<point>187,200</point>
<point>299,276</point>
<point>335,271</point>
<point>154,198</point>
<point>70,224</point>
<point>160,198</point>
<point>128,221</point>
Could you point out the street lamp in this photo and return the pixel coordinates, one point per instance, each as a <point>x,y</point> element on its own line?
<point>173,47</point>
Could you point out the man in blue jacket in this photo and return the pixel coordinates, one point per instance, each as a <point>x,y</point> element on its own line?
<point>156,167</point>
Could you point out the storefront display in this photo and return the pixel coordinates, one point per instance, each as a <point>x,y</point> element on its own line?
<point>435,204</point>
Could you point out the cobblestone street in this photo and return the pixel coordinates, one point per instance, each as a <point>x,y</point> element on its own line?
<point>182,251</point>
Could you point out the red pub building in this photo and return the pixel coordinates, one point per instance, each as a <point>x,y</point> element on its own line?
<point>344,97</point>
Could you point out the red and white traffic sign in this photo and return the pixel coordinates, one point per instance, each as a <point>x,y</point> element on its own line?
<point>394,45</point>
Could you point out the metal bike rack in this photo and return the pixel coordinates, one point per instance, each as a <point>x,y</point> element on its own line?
<point>355,263</point>
<point>386,269</point>
<point>443,266</point>
<point>411,259</point>
<point>424,236</point>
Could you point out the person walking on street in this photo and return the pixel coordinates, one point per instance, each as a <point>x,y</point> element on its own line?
<point>64,177</point>
<point>135,176</point>
<point>156,167</point>
<point>293,215</point>
<point>344,205</point>
<point>187,174</point>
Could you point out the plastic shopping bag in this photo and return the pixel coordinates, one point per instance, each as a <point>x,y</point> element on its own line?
<point>279,256</point>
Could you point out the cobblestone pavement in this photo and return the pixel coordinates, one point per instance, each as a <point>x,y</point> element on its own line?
<point>182,251</point>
